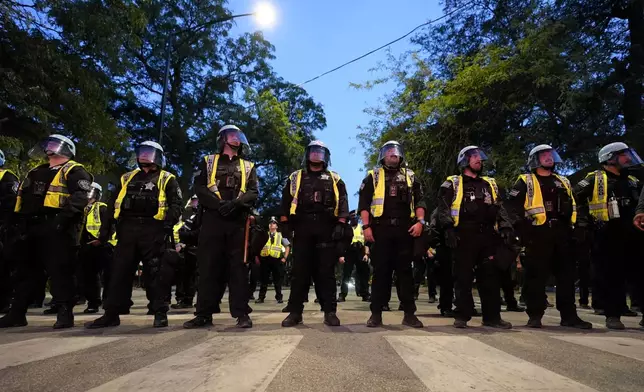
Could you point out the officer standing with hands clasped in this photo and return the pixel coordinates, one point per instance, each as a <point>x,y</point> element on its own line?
<point>607,204</point>
<point>226,185</point>
<point>468,212</point>
<point>315,208</point>
<point>50,203</point>
<point>272,260</point>
<point>145,207</point>
<point>393,214</point>
<point>544,211</point>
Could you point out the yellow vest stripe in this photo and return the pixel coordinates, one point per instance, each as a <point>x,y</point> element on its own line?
<point>378,199</point>
<point>534,205</point>
<point>296,181</point>
<point>212,161</point>
<point>57,194</point>
<point>273,249</point>
<point>457,201</point>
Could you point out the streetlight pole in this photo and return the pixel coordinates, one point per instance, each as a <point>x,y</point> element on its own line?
<point>168,55</point>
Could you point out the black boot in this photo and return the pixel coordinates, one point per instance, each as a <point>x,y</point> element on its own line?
<point>160,320</point>
<point>515,308</point>
<point>292,320</point>
<point>182,305</point>
<point>331,319</point>
<point>534,322</point>
<point>198,322</point>
<point>107,320</point>
<point>317,301</point>
<point>411,320</point>
<point>432,299</point>
<point>216,310</point>
<point>91,308</point>
<point>366,298</point>
<point>259,300</point>
<point>576,322</point>
<point>52,310</point>
<point>386,308</point>
<point>5,309</point>
<point>500,323</point>
<point>244,322</point>
<point>629,313</point>
<point>584,306</point>
<point>460,323</point>
<point>447,313</point>
<point>342,298</point>
<point>65,318</point>
<point>614,323</point>
<point>285,309</point>
<point>375,320</point>
<point>280,301</point>
<point>11,320</point>
<point>401,307</point>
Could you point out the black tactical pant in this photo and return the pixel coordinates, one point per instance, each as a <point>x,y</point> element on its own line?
<point>315,257</point>
<point>187,278</point>
<point>271,267</point>
<point>7,246</point>
<point>582,253</point>
<point>139,240</point>
<point>95,264</point>
<point>618,254</point>
<point>254,276</point>
<point>507,287</point>
<point>354,258</point>
<point>221,253</point>
<point>46,248</point>
<point>392,251</point>
<point>424,268</point>
<point>445,278</point>
<point>476,245</point>
<point>549,252</point>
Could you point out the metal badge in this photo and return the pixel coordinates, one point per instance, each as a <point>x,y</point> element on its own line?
<point>317,196</point>
<point>549,206</point>
<point>488,197</point>
<point>149,186</point>
<point>39,188</point>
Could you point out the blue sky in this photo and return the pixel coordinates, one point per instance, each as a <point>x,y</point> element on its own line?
<point>313,36</point>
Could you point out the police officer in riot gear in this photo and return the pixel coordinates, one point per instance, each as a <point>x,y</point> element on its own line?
<point>607,200</point>
<point>272,258</point>
<point>188,233</point>
<point>8,192</point>
<point>315,208</point>
<point>393,214</point>
<point>145,207</point>
<point>227,189</point>
<point>50,203</point>
<point>543,211</point>
<point>468,211</point>
<point>356,255</point>
<point>94,256</point>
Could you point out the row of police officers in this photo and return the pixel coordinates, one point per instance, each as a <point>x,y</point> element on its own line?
<point>481,233</point>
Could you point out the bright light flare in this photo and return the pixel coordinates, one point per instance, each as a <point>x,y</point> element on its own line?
<point>265,14</point>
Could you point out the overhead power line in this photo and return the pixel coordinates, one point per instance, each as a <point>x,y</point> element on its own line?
<point>388,43</point>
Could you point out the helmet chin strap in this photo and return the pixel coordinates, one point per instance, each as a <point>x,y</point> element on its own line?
<point>233,147</point>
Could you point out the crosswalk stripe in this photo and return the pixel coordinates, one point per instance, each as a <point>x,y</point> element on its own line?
<point>224,363</point>
<point>460,363</point>
<point>19,353</point>
<point>626,347</point>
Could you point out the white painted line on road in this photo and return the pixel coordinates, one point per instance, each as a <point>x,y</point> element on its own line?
<point>19,353</point>
<point>626,347</point>
<point>460,364</point>
<point>224,363</point>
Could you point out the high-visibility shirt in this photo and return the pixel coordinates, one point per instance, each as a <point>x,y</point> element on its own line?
<point>4,171</point>
<point>175,231</point>
<point>296,181</point>
<point>164,178</point>
<point>378,199</point>
<point>211,166</point>
<point>93,221</point>
<point>534,206</point>
<point>457,183</point>
<point>57,194</point>
<point>273,247</point>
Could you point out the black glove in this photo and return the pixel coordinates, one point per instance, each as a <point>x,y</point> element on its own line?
<point>168,228</point>
<point>338,232</point>
<point>451,240</point>
<point>227,207</point>
<point>507,234</point>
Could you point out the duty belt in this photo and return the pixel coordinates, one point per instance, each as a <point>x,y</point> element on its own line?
<point>391,221</point>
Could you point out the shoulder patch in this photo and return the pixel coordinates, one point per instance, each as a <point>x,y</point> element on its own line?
<point>14,187</point>
<point>583,183</point>
<point>179,193</point>
<point>85,185</point>
<point>514,192</point>
<point>447,184</point>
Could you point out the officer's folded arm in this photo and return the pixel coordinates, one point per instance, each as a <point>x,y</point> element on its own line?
<point>79,183</point>
<point>206,198</point>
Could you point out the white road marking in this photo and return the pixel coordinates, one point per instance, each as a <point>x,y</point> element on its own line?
<point>626,347</point>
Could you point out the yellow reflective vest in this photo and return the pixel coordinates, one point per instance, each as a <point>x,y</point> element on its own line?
<point>93,221</point>
<point>164,178</point>
<point>378,199</point>
<point>175,231</point>
<point>457,183</point>
<point>4,171</point>
<point>211,167</point>
<point>598,205</point>
<point>534,206</point>
<point>296,181</point>
<point>358,235</point>
<point>273,249</point>
<point>57,193</point>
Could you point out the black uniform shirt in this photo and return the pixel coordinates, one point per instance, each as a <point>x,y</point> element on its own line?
<point>8,193</point>
<point>34,189</point>
<point>316,195</point>
<point>556,201</point>
<point>397,195</point>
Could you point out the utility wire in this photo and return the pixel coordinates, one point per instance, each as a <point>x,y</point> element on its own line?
<point>387,44</point>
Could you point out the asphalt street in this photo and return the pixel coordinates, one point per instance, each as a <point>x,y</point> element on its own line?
<point>314,357</point>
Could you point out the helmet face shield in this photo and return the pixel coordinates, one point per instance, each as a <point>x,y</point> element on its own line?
<point>473,158</point>
<point>94,194</point>
<point>544,158</point>
<point>627,158</point>
<point>51,146</point>
<point>148,155</point>
<point>391,155</point>
<point>318,154</point>
<point>234,138</point>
